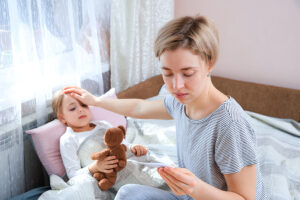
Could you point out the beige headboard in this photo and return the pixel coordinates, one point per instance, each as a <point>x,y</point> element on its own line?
<point>259,98</point>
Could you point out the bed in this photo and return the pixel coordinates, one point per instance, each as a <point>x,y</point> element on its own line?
<point>275,115</point>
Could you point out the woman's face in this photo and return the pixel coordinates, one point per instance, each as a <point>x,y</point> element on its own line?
<point>185,74</point>
<point>75,114</point>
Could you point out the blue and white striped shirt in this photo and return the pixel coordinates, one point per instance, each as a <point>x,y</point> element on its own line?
<point>221,143</point>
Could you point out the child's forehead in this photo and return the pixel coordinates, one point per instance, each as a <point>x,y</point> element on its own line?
<point>68,99</point>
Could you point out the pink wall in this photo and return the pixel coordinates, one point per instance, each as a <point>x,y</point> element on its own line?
<point>260,39</point>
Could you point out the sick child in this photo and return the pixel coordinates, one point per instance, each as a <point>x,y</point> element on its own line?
<point>77,117</point>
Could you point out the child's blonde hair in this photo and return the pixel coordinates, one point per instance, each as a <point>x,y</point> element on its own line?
<point>199,34</point>
<point>57,101</point>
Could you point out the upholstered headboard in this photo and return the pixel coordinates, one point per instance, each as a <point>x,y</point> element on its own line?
<point>268,100</point>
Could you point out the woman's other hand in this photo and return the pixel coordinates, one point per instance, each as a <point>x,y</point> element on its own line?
<point>180,180</point>
<point>81,95</point>
<point>138,150</point>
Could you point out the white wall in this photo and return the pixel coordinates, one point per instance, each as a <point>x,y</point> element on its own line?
<point>260,39</point>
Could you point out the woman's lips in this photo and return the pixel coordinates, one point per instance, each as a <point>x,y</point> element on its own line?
<point>180,95</point>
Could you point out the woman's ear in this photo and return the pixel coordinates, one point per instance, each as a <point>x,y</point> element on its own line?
<point>210,68</point>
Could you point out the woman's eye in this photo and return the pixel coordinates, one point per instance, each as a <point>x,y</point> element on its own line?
<point>188,75</point>
<point>72,109</point>
<point>84,105</point>
<point>167,75</point>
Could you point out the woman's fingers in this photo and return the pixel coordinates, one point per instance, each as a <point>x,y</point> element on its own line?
<point>182,177</point>
<point>73,91</point>
<point>81,95</point>
<point>173,183</point>
<point>180,174</point>
<point>69,87</point>
<point>77,96</point>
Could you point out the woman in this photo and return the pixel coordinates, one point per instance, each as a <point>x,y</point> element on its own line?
<point>216,145</point>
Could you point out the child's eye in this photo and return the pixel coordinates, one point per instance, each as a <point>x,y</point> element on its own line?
<point>83,105</point>
<point>72,109</point>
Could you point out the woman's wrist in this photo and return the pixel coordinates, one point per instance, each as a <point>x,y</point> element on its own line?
<point>199,186</point>
<point>97,101</point>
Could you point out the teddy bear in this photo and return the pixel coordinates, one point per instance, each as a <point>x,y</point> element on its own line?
<point>113,138</point>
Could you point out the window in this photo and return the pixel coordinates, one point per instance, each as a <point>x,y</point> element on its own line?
<point>43,47</point>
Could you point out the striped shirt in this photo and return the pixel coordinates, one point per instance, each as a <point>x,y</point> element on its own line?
<point>221,143</point>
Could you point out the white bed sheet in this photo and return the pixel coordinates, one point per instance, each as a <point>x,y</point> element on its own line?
<point>278,142</point>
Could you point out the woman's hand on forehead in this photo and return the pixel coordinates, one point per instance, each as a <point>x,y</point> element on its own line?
<point>81,95</point>
<point>73,89</point>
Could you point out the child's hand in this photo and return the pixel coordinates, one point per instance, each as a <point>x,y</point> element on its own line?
<point>106,165</point>
<point>81,95</point>
<point>138,150</point>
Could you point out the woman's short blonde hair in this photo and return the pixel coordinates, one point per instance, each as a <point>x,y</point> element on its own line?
<point>199,34</point>
<point>57,101</point>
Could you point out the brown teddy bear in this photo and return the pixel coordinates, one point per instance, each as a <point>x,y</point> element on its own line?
<point>113,139</point>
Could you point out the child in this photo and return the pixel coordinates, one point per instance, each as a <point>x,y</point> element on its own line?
<point>77,116</point>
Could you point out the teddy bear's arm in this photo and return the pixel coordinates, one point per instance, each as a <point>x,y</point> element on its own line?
<point>122,163</point>
<point>124,147</point>
<point>100,155</point>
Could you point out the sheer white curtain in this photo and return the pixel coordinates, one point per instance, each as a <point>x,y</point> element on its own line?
<point>134,25</point>
<point>44,45</point>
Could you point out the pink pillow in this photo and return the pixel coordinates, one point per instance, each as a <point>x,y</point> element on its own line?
<point>46,137</point>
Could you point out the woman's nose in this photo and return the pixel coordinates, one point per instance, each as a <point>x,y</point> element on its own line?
<point>178,82</point>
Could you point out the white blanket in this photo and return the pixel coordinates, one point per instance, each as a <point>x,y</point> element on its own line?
<point>278,153</point>
<point>133,172</point>
<point>77,188</point>
<point>86,187</point>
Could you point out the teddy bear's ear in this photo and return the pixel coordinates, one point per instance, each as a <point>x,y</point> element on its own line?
<point>107,131</point>
<point>123,129</point>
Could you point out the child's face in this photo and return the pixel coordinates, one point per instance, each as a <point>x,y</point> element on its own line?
<point>75,114</point>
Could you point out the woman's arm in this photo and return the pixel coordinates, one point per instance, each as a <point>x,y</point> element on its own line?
<point>243,182</point>
<point>241,185</point>
<point>136,108</point>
